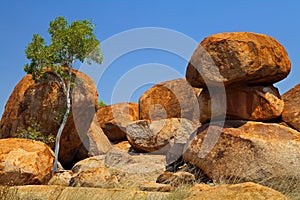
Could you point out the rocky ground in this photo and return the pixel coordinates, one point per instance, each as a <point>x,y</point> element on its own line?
<point>224,132</point>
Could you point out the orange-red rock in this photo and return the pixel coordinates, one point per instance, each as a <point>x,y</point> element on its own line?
<point>246,151</point>
<point>238,57</point>
<point>291,111</point>
<point>11,111</point>
<point>170,99</point>
<point>257,103</point>
<point>45,102</point>
<point>123,145</point>
<point>24,162</point>
<point>114,119</point>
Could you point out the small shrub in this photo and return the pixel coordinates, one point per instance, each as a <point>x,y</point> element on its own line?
<point>102,103</point>
<point>32,132</point>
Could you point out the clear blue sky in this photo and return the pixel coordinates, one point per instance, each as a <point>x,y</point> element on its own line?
<point>19,20</point>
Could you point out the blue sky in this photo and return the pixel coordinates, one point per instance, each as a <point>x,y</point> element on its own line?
<point>19,20</point>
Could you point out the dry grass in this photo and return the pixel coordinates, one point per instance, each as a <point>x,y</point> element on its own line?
<point>287,186</point>
<point>8,193</point>
<point>290,187</point>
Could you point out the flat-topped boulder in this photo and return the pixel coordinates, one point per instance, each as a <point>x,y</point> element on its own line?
<point>256,103</point>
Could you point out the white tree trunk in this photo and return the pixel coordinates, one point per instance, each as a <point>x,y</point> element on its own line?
<point>64,121</point>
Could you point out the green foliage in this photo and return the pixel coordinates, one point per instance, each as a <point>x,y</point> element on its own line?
<point>32,132</point>
<point>68,44</point>
<point>59,115</point>
<point>102,103</point>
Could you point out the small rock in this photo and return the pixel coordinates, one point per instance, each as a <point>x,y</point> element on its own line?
<point>114,119</point>
<point>123,145</point>
<point>89,163</point>
<point>176,179</point>
<point>156,187</point>
<point>61,178</point>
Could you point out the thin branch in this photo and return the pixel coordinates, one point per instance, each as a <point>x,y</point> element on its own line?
<point>61,128</point>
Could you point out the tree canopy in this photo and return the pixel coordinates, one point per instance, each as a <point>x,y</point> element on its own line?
<point>68,44</point>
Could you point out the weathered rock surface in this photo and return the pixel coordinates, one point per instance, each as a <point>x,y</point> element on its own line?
<point>241,191</point>
<point>291,111</point>
<point>170,99</point>
<point>159,135</point>
<point>238,57</point>
<point>97,177</point>
<point>61,178</point>
<point>123,145</point>
<point>42,192</point>
<point>11,111</point>
<point>24,162</point>
<point>119,169</point>
<point>114,119</point>
<point>246,151</point>
<point>257,103</point>
<point>45,103</point>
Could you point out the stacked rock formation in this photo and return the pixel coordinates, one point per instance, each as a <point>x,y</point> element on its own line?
<point>237,70</point>
<point>168,114</point>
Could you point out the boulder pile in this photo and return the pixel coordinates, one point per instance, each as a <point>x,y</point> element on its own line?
<point>224,123</point>
<point>243,141</point>
<point>237,70</point>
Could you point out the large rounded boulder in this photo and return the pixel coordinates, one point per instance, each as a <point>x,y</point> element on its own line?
<point>238,57</point>
<point>44,103</point>
<point>24,162</point>
<point>170,99</point>
<point>246,151</point>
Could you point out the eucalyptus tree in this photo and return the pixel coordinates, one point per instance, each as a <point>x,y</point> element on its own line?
<point>69,43</point>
